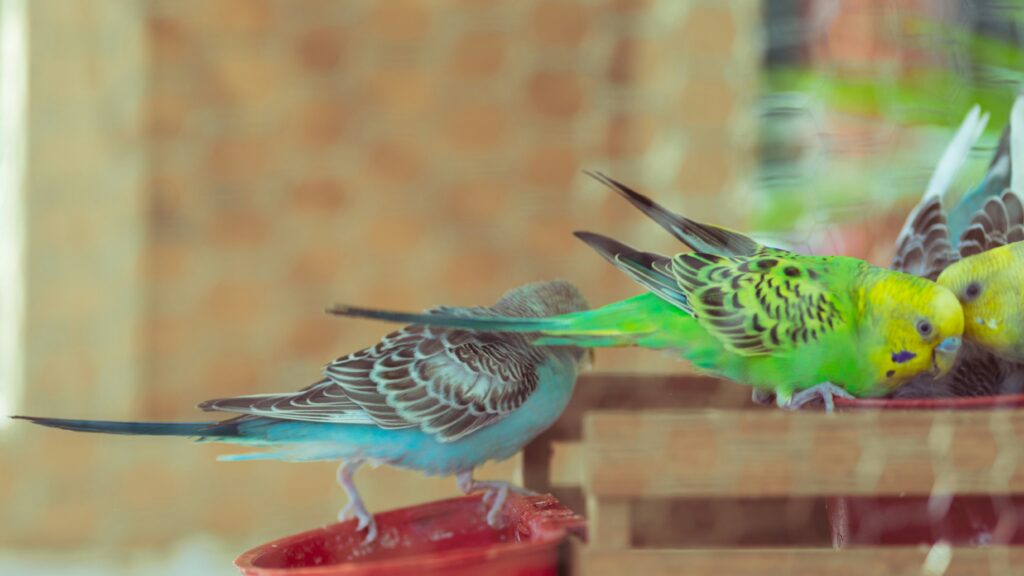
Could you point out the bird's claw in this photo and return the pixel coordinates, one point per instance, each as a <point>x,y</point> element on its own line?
<point>492,491</point>
<point>345,513</point>
<point>355,508</point>
<point>495,494</point>
<point>761,397</point>
<point>826,391</point>
<point>494,513</point>
<point>364,520</point>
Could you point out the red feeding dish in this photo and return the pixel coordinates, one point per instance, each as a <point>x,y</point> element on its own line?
<point>963,520</point>
<point>449,537</point>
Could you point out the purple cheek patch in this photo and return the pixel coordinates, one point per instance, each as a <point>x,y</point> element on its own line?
<point>903,356</point>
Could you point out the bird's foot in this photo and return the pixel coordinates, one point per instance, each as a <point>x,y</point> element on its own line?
<point>826,392</point>
<point>355,507</point>
<point>365,521</point>
<point>495,494</point>
<point>762,397</point>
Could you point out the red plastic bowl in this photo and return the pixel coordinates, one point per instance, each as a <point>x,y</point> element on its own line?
<point>970,403</point>
<point>449,537</point>
<point>964,520</point>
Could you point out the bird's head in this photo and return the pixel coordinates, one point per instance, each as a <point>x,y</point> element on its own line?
<point>988,286</point>
<point>546,300</point>
<point>912,326</point>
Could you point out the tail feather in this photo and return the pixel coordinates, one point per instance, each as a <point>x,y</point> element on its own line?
<point>457,321</point>
<point>648,269</point>
<point>701,237</point>
<point>956,153</point>
<point>970,221</point>
<point>617,324</point>
<point>200,429</point>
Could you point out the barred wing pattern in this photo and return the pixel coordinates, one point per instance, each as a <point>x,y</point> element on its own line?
<point>999,222</point>
<point>760,304</point>
<point>321,402</point>
<point>923,247</point>
<point>449,383</point>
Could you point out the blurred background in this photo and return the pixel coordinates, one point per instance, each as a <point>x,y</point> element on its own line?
<point>185,185</point>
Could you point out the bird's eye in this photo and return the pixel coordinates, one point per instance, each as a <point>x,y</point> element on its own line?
<point>973,291</point>
<point>924,328</point>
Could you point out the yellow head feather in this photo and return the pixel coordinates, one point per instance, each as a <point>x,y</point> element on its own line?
<point>911,324</point>
<point>990,291</point>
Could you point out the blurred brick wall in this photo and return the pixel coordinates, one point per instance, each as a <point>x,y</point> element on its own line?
<point>390,153</point>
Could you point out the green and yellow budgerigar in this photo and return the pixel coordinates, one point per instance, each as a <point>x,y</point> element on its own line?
<point>754,314</point>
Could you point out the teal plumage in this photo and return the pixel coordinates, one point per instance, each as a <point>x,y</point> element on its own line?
<point>439,401</point>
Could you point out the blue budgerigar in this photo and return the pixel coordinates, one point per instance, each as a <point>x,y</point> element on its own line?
<point>436,400</point>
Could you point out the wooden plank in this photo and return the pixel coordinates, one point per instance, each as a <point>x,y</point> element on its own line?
<point>940,560</point>
<point>610,523</point>
<point>622,392</point>
<point>625,392</point>
<point>775,453</point>
<point>566,464</point>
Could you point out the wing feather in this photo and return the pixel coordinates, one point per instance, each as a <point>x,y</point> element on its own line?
<point>758,305</point>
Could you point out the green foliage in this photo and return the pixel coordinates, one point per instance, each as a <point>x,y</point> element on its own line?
<point>923,101</point>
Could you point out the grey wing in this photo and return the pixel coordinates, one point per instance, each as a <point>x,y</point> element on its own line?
<point>998,222</point>
<point>449,383</point>
<point>923,247</point>
<point>321,402</point>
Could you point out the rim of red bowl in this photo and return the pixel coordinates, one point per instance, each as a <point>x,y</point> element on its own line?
<point>974,402</point>
<point>545,532</point>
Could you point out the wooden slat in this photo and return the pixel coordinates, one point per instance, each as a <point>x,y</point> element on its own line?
<point>802,562</point>
<point>621,392</point>
<point>610,525</point>
<point>566,464</point>
<point>776,453</point>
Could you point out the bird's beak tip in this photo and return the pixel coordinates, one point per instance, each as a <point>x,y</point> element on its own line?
<point>950,345</point>
<point>945,355</point>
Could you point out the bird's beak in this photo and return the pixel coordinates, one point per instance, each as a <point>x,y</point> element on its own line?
<point>945,355</point>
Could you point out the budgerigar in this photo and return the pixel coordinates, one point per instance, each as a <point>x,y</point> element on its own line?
<point>754,314</point>
<point>990,287</point>
<point>435,400</point>
<point>986,218</point>
<point>989,283</point>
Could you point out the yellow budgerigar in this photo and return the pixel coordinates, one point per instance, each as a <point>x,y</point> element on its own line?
<point>982,240</point>
<point>990,287</point>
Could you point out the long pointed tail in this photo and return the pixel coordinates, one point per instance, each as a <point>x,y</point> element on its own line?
<point>701,237</point>
<point>198,429</point>
<point>457,321</point>
<point>622,323</point>
<point>652,271</point>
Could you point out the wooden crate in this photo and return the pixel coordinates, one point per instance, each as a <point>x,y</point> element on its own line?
<point>553,463</point>
<point>629,457</point>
